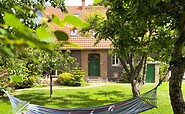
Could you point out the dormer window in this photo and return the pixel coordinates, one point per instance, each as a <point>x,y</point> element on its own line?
<point>93,33</point>
<point>74,32</point>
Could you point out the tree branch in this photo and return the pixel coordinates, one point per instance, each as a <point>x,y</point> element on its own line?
<point>124,63</point>
<point>139,66</point>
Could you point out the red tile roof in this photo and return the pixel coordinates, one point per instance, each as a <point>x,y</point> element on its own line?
<point>84,42</point>
<point>88,43</point>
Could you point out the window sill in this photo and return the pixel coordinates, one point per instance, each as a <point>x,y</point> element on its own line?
<point>116,65</point>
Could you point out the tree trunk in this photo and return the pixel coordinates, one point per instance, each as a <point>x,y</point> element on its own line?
<point>51,89</point>
<point>135,90</point>
<point>133,73</point>
<point>177,68</point>
<point>176,96</point>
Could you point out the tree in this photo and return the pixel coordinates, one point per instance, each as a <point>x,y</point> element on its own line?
<point>134,38</point>
<point>55,60</point>
<point>174,10</point>
<point>19,16</point>
<point>18,29</point>
<point>166,14</point>
<point>27,9</point>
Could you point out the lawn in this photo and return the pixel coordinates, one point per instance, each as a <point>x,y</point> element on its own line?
<point>88,97</point>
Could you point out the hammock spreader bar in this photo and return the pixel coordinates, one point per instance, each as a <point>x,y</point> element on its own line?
<point>134,105</point>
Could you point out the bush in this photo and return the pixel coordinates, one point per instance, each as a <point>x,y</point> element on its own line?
<point>26,83</point>
<point>124,78</point>
<point>78,75</point>
<point>4,78</point>
<point>66,79</point>
<point>74,79</point>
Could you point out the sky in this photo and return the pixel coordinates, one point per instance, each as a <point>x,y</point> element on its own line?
<point>75,2</point>
<point>68,3</point>
<point>78,2</point>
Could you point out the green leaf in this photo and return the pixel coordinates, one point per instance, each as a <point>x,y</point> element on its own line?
<point>12,20</point>
<point>16,78</point>
<point>44,46</point>
<point>61,35</point>
<point>2,31</point>
<point>75,21</point>
<point>71,44</point>
<point>42,33</point>
<point>18,8</point>
<point>49,39</point>
<point>97,1</point>
<point>56,20</point>
<point>7,51</point>
<point>25,34</point>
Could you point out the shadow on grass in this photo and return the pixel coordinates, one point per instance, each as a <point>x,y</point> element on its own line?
<point>35,98</point>
<point>77,100</point>
<point>5,99</point>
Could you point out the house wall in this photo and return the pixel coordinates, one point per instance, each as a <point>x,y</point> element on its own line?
<point>77,55</point>
<point>157,75</point>
<point>107,71</point>
<point>114,72</point>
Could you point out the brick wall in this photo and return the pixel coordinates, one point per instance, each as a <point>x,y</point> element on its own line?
<point>114,72</point>
<point>103,61</point>
<point>77,55</point>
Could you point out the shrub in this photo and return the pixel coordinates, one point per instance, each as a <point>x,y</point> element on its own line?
<point>26,83</point>
<point>74,79</point>
<point>4,78</point>
<point>65,79</point>
<point>124,78</point>
<point>78,75</point>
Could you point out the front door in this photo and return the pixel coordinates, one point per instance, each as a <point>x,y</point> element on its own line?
<point>94,65</point>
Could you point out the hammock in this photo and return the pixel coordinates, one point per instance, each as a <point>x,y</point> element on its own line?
<point>134,105</point>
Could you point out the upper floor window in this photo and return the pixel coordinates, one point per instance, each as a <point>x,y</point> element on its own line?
<point>76,14</point>
<point>93,33</point>
<point>74,32</point>
<point>115,61</point>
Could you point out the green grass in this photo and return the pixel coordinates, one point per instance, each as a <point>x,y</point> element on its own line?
<point>88,97</point>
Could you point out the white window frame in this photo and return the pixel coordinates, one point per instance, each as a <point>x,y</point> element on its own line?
<point>74,33</point>
<point>55,73</point>
<point>76,14</point>
<point>115,61</point>
<point>93,33</point>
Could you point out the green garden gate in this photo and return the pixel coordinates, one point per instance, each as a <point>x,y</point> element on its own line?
<point>150,74</point>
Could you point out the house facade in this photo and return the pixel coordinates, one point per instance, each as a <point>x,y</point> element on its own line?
<point>99,66</point>
<point>93,59</point>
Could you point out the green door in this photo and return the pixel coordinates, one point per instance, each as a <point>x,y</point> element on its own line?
<point>150,74</point>
<point>94,65</point>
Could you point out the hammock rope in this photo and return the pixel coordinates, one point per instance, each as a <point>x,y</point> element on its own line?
<point>134,105</point>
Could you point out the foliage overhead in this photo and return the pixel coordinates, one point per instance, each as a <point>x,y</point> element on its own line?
<point>156,26</point>
<point>21,36</point>
<point>136,30</point>
<point>19,28</point>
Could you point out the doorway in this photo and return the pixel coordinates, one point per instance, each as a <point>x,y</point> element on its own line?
<point>94,65</point>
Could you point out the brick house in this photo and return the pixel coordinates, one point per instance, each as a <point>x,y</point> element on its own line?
<point>94,60</point>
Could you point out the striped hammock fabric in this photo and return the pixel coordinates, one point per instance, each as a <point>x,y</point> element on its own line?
<point>134,105</point>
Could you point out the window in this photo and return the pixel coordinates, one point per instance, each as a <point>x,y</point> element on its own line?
<point>115,61</point>
<point>54,72</point>
<point>76,14</point>
<point>74,32</point>
<point>93,33</point>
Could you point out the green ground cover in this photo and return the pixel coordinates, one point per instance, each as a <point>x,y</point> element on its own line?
<point>88,97</point>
